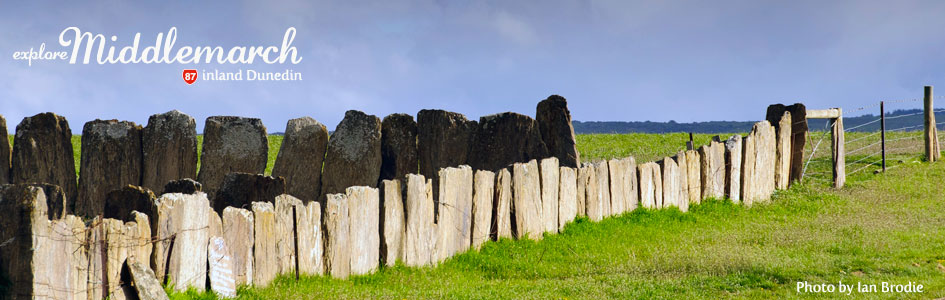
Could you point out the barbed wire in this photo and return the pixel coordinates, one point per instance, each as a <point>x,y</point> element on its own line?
<point>864,124</point>
<point>860,138</point>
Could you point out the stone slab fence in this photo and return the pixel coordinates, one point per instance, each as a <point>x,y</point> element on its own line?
<point>371,206</point>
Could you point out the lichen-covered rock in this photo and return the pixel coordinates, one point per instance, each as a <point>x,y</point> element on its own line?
<point>242,189</point>
<point>266,237</point>
<point>557,132</point>
<point>182,232</point>
<point>550,178</point>
<point>567,196</point>
<point>56,202</point>
<point>454,218</point>
<point>301,157</point>
<point>42,152</point>
<point>502,206</point>
<point>6,153</point>
<point>443,140</point>
<point>183,186</point>
<point>337,236</point>
<point>111,159</point>
<point>238,234</point>
<point>231,144</point>
<point>420,235</point>
<point>398,147</point>
<point>733,168</point>
<point>354,153</point>
<point>392,222</point>
<point>483,191</point>
<point>506,138</point>
<point>121,202</point>
<point>169,146</point>
<point>713,170</point>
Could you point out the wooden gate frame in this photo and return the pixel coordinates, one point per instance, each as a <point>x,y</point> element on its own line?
<point>835,115</point>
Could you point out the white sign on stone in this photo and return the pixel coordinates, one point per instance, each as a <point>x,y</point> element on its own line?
<point>222,281</point>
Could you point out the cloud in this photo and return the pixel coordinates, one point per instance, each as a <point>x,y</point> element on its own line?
<point>514,29</point>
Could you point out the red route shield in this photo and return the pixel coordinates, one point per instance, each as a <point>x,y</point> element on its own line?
<point>190,76</point>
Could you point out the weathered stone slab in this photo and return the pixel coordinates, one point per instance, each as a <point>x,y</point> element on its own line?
<point>42,152</point>
<point>139,229</point>
<point>763,157</point>
<point>713,170</point>
<point>398,147</point>
<point>506,138</point>
<point>6,152</point>
<point>337,236</point>
<point>647,188</point>
<point>354,153</point>
<point>183,186</point>
<point>363,204</point>
<point>670,172</point>
<point>286,207</point>
<point>266,235</point>
<point>694,173</point>
<point>623,195</point>
<point>683,180</point>
<point>111,159</point>
<point>483,191</point>
<point>592,197</point>
<point>420,238</point>
<point>215,225</point>
<point>798,133</point>
<point>454,218</point>
<point>169,146</point>
<point>147,287</point>
<point>182,233</point>
<point>301,157</point>
<point>222,281</point>
<point>603,187</point>
<point>502,204</point>
<point>242,189</point>
<point>733,168</point>
<point>782,173</point>
<point>550,178</point>
<point>748,169</point>
<point>657,185</point>
<point>633,200</point>
<point>239,235</point>
<point>231,144</point>
<point>554,122</point>
<point>56,204</point>
<point>526,200</point>
<point>112,243</point>
<point>567,196</point>
<point>121,202</point>
<point>443,140</point>
<point>393,226</point>
<point>584,177</point>
<point>311,242</point>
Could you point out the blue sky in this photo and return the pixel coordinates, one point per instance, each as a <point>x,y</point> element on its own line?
<point>613,60</point>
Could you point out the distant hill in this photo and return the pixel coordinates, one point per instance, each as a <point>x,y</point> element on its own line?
<point>910,119</point>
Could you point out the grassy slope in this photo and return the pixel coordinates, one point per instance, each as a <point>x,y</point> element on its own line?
<point>880,228</point>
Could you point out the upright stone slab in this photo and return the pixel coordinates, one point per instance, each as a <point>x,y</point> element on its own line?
<point>301,157</point>
<point>364,217</point>
<point>169,147</point>
<point>56,204</point>
<point>748,169</point>
<point>454,217</point>
<point>420,238</point>
<point>694,173</point>
<point>567,197</point>
<point>222,281</point>
<point>584,176</point>
<point>311,251</point>
<point>139,228</point>
<point>647,188</point>
<point>683,180</point>
<point>504,139</point>
<point>733,168</point>
<point>633,199</point>
<point>713,170</point>
<point>657,185</point>
<point>180,255</point>
<point>592,193</point>
<point>287,208</point>
<point>111,159</point>
<point>42,152</point>
<point>554,122</point>
<point>337,236</point>
<point>392,222</point>
<point>398,147</point>
<point>183,186</point>
<point>231,144</point>
<point>6,153</point>
<point>550,178</point>
<point>502,212</point>
<point>121,202</point>
<point>782,173</point>
<point>443,140</point>
<point>239,235</point>
<point>670,172</point>
<point>483,191</point>
<point>526,200</point>
<point>215,230</point>
<point>764,156</point>
<point>242,189</point>
<point>266,235</point>
<point>622,194</point>
<point>603,187</point>
<point>354,153</point>
<point>798,133</point>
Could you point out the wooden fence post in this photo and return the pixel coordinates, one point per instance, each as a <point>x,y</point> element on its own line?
<point>932,151</point>
<point>839,157</point>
